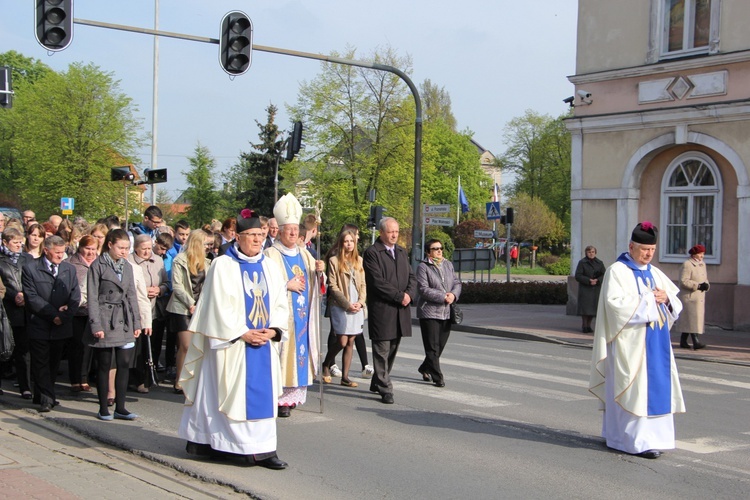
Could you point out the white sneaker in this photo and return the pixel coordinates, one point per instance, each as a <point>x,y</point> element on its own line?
<point>368,371</point>
<point>335,371</point>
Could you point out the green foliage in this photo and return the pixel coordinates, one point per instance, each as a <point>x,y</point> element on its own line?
<point>534,220</point>
<point>68,130</point>
<point>204,199</point>
<point>559,268</point>
<point>539,156</point>
<point>251,182</point>
<point>514,293</point>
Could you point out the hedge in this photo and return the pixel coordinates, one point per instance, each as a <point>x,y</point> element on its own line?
<point>514,293</point>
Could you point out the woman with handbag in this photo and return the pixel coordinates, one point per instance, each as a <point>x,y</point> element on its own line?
<point>347,295</point>
<point>439,289</point>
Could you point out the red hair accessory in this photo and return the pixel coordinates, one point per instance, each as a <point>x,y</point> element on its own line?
<point>646,225</point>
<point>247,213</point>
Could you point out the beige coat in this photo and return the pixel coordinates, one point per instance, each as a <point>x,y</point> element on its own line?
<point>693,300</point>
<point>339,279</point>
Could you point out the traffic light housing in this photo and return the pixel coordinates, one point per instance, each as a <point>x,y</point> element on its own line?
<point>295,141</point>
<point>54,23</point>
<point>156,176</point>
<point>6,91</point>
<point>376,214</point>
<point>236,43</point>
<point>122,174</point>
<point>509,215</point>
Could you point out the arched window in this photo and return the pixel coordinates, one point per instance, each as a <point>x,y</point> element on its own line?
<point>691,208</point>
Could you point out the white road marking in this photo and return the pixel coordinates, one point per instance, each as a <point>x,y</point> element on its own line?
<point>713,380</point>
<point>707,445</point>
<point>452,396</point>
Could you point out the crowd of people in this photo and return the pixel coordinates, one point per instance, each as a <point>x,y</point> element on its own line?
<point>236,307</point>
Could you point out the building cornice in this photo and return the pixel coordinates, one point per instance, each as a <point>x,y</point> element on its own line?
<point>668,66</point>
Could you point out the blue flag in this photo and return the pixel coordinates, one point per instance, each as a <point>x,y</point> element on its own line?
<point>463,201</point>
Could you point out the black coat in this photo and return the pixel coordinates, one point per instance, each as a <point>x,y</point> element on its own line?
<point>11,275</point>
<point>387,280</point>
<point>45,294</point>
<point>588,295</point>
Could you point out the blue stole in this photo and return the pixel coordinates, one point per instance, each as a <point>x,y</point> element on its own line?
<point>658,347</point>
<point>300,308</point>
<point>260,402</point>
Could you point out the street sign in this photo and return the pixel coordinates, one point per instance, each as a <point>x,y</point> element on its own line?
<point>437,209</point>
<point>484,234</point>
<point>438,221</point>
<point>67,204</point>
<point>67,212</point>
<point>493,210</point>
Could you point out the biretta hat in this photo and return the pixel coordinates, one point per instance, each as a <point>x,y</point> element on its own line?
<point>645,233</point>
<point>287,210</point>
<point>247,220</point>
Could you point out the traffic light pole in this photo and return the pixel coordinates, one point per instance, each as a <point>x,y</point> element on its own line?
<point>416,213</point>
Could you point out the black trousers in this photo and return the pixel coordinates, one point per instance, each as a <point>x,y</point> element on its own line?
<point>435,333</point>
<point>45,361</point>
<point>383,355</point>
<point>79,355</point>
<point>21,358</point>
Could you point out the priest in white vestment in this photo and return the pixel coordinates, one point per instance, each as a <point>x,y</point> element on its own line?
<point>232,375</point>
<point>633,370</point>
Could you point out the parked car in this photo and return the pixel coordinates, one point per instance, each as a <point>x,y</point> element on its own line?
<point>10,213</point>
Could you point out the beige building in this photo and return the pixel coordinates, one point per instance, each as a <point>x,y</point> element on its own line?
<point>661,132</point>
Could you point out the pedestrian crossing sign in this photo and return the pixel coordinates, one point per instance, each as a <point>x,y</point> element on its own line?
<point>493,210</point>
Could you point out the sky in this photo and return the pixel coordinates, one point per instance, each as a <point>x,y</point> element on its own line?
<point>495,58</point>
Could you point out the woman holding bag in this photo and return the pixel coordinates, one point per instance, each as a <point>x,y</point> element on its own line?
<point>438,288</point>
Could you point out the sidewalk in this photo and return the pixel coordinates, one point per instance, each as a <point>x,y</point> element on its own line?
<point>551,324</point>
<point>39,459</point>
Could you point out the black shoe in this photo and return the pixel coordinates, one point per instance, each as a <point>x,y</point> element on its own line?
<point>45,408</point>
<point>651,454</point>
<point>285,411</point>
<point>374,389</point>
<point>425,376</point>
<point>684,341</point>
<point>388,399</point>
<point>696,343</point>
<point>200,449</point>
<point>439,384</point>
<point>272,463</point>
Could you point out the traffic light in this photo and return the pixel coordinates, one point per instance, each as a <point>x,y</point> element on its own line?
<point>509,215</point>
<point>156,176</point>
<point>295,141</point>
<point>236,43</point>
<point>6,92</point>
<point>376,214</point>
<point>54,23</point>
<point>122,174</point>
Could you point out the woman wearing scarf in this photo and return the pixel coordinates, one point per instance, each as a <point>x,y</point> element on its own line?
<point>114,319</point>
<point>693,287</point>
<point>12,260</point>
<point>80,354</point>
<point>438,288</point>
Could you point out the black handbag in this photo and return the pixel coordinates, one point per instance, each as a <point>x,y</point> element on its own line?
<point>7,344</point>
<point>457,315</point>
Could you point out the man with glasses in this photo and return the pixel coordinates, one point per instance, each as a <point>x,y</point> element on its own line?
<point>152,219</point>
<point>232,372</point>
<point>29,218</point>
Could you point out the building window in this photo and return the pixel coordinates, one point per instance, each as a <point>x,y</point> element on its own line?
<point>691,208</point>
<point>683,27</point>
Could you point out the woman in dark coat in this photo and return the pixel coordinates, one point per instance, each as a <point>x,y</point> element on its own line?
<point>12,260</point>
<point>438,288</point>
<point>114,319</point>
<point>589,275</point>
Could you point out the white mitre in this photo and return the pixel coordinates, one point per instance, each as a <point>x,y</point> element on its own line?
<point>287,210</point>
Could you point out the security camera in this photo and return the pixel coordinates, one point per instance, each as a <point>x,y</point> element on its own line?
<point>584,94</point>
<point>569,100</point>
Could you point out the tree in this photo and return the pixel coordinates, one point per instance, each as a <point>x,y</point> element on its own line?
<point>69,129</point>
<point>357,137</point>
<point>436,104</point>
<point>251,182</point>
<point>463,235</point>
<point>534,220</point>
<point>204,200</point>
<point>539,155</point>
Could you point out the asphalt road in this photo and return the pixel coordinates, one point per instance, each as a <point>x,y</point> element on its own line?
<point>514,421</point>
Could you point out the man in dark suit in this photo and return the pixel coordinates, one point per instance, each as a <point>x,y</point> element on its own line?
<point>391,286</point>
<point>52,298</point>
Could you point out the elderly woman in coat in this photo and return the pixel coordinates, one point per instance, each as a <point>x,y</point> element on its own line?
<point>589,275</point>
<point>693,287</point>
<point>114,319</point>
<point>438,288</point>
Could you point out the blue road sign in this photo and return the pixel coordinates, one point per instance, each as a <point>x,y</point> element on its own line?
<point>67,203</point>
<point>493,210</point>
